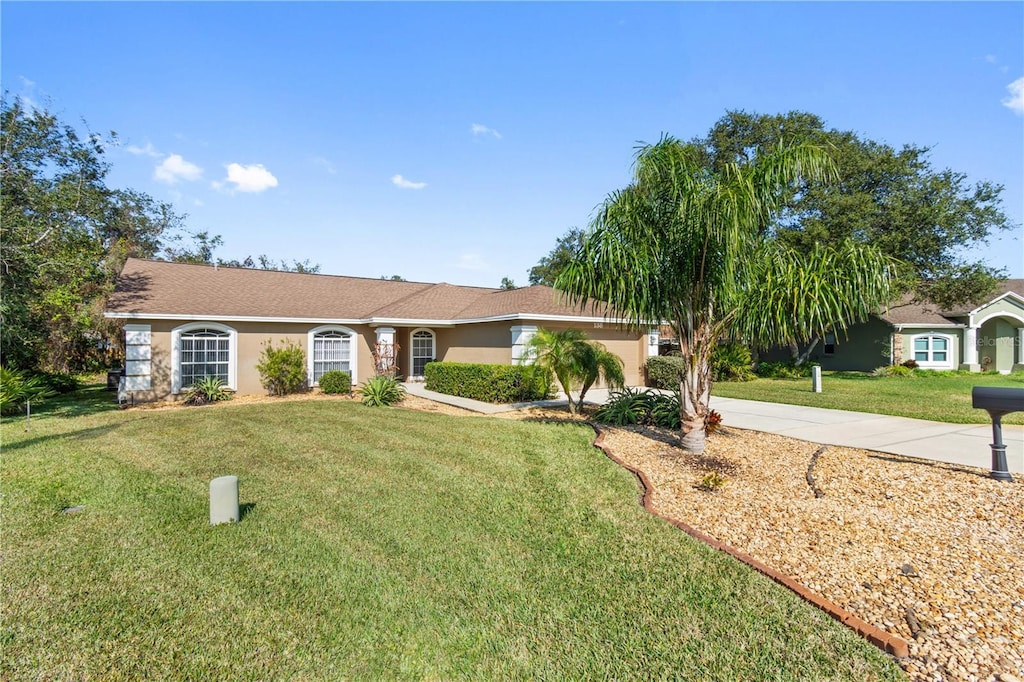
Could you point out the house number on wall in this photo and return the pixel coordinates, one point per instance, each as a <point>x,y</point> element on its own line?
<point>598,325</point>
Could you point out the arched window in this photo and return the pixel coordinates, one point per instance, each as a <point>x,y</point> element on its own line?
<point>933,350</point>
<point>202,350</point>
<point>331,349</point>
<point>423,350</point>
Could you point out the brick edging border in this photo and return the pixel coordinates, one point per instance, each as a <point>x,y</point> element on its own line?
<point>885,641</point>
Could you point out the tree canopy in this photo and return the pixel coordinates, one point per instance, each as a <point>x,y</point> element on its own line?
<point>64,237</point>
<point>685,243</point>
<point>546,270</point>
<point>893,199</point>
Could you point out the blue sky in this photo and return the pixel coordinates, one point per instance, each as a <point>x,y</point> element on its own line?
<point>457,141</point>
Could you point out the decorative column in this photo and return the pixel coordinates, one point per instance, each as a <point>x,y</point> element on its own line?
<point>1020,346</point>
<point>138,357</point>
<point>971,349</point>
<point>653,337</point>
<point>384,351</point>
<point>521,335</point>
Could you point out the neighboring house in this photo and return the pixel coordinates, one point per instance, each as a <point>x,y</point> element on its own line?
<point>984,336</point>
<point>184,322</point>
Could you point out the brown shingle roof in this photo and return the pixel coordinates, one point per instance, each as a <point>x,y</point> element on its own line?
<point>157,288</point>
<point>906,311</point>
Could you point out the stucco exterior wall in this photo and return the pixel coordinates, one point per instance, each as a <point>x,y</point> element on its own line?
<point>484,343</point>
<point>491,343</point>
<point>862,348</point>
<point>251,337</point>
<point>1009,307</point>
<point>997,345</point>
<point>631,346</point>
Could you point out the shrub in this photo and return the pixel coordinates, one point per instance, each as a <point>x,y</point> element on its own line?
<point>282,370</point>
<point>17,388</point>
<point>628,406</point>
<point>712,422</point>
<point>664,371</point>
<point>335,382</point>
<point>635,406</point>
<point>207,390</point>
<point>665,410</point>
<point>732,362</point>
<point>784,370</point>
<point>490,383</point>
<point>893,371</point>
<point>60,383</point>
<point>381,391</point>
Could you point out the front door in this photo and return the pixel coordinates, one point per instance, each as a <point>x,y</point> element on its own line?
<point>422,350</point>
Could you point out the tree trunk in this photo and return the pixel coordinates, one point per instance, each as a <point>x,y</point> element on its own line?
<point>802,358</point>
<point>694,395</point>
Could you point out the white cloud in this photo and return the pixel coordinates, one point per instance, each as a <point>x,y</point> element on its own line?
<point>471,261</point>
<point>1015,102</point>
<point>251,178</point>
<point>148,150</point>
<point>174,168</point>
<point>479,130</point>
<point>991,59</point>
<point>399,181</point>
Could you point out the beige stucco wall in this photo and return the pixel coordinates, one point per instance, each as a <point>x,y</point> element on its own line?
<point>483,343</point>
<point>491,342</point>
<point>251,337</point>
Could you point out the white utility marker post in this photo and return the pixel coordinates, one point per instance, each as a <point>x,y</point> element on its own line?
<point>224,500</point>
<point>816,379</point>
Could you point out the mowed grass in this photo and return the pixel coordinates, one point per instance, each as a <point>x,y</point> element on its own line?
<point>375,543</point>
<point>937,398</point>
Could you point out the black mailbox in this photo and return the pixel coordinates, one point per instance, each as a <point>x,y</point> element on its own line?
<point>998,399</point>
<point>997,402</point>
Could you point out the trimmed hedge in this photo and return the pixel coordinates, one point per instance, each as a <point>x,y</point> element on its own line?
<point>336,381</point>
<point>490,383</point>
<point>663,371</point>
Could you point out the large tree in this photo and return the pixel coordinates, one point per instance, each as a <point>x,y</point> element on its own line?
<point>685,243</point>
<point>895,199</point>
<point>547,269</point>
<point>64,236</point>
<point>53,206</point>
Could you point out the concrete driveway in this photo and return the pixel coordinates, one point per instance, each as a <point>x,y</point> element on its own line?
<point>965,444</point>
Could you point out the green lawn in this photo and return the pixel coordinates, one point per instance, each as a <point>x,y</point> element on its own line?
<point>375,543</point>
<point>938,398</point>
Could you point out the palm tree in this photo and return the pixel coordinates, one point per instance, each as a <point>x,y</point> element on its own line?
<point>687,244</point>
<point>575,361</point>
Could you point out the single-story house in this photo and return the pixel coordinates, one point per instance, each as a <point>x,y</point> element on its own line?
<point>185,321</point>
<point>986,335</point>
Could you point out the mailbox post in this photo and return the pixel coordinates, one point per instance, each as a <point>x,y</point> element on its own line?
<point>997,402</point>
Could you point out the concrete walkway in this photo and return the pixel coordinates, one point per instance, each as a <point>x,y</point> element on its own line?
<point>965,444</point>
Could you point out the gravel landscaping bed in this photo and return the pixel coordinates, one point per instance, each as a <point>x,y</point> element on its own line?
<point>932,553</point>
